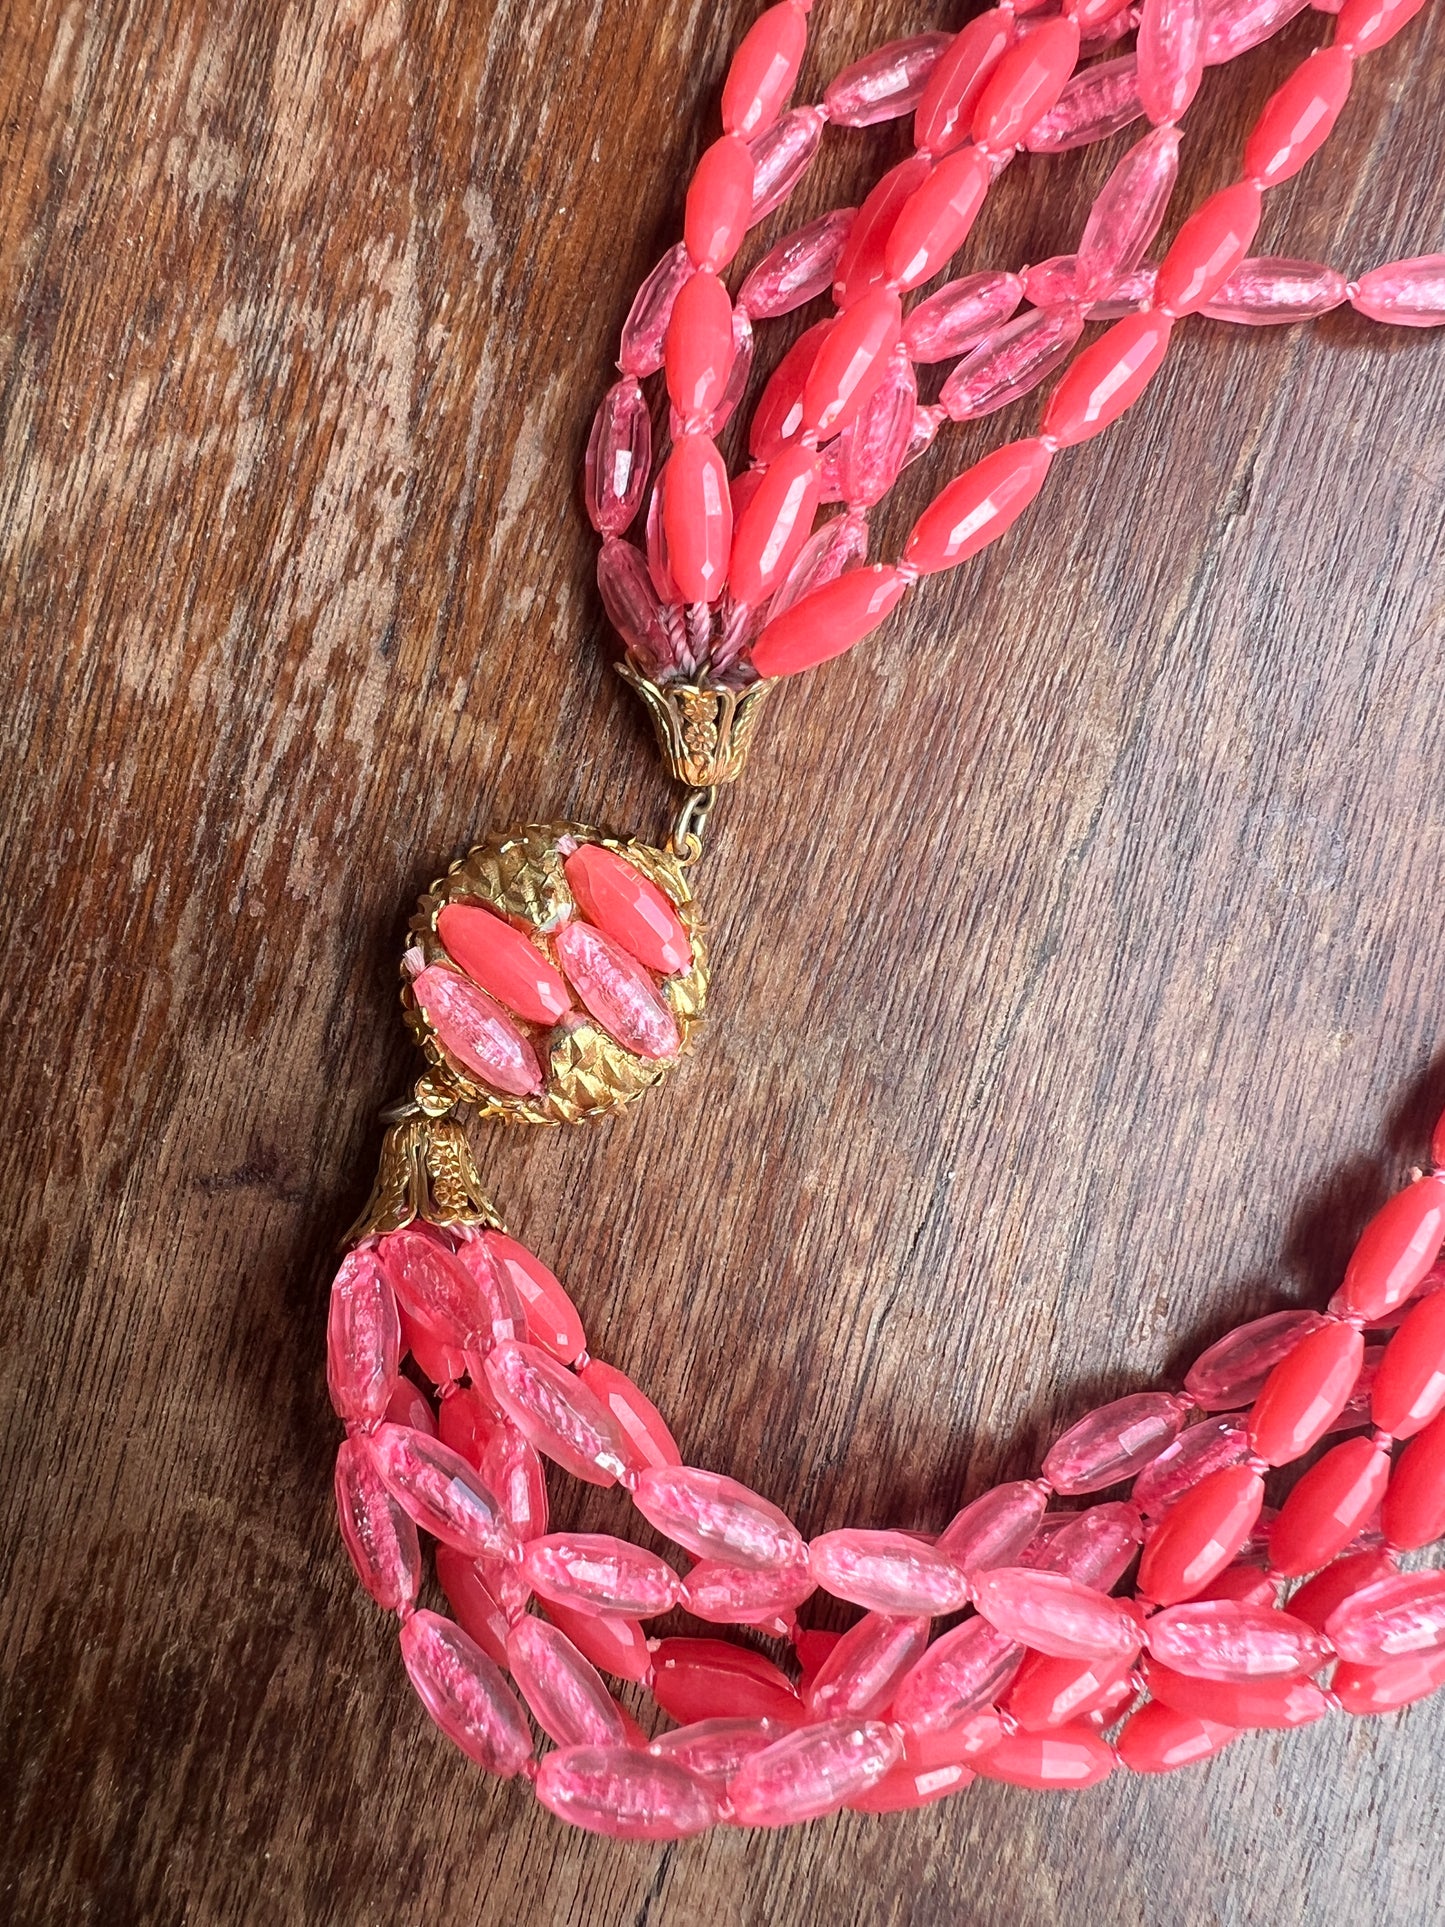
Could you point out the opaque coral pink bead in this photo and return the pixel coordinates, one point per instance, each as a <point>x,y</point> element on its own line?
<point>850,361</point>
<point>1114,1442</point>
<point>904,1786</point>
<point>993,1529</point>
<point>474,1605</point>
<point>1052,1614</point>
<point>858,1677</point>
<point>719,204</point>
<point>763,70</point>
<point>1275,1703</point>
<point>1225,1639</point>
<point>1025,84</point>
<point>1328,1507</point>
<point>1305,1393</point>
<point>1409,1388</point>
<point>363,1339</point>
<point>1200,1535</point>
<point>1400,1614</point>
<point>1050,1691</point>
<point>617,991</point>
<point>1394,1683</point>
<point>1171,57</point>
<point>648,1441</point>
<point>778,418</point>
<point>703,1679</point>
<point>1414,1508</point>
<point>978,506</point>
<point>1396,1249</point>
<point>935,219</point>
<point>828,620</point>
<point>377,1533</point>
<point>477,1031</point>
<point>697,518</point>
<point>1065,1760</point>
<point>774,525</point>
<point>699,349</point>
<point>615,897</point>
<point>1108,377</point>
<point>1156,1739</point>
<point>614,1642</point>
<point>946,106</point>
<point>465,1694</point>
<point>716,1517</point>
<point>563,1690</point>
<point>596,1572</point>
<point>556,1413</point>
<point>503,961</point>
<point>1364,25</point>
<point>1207,249</point>
<point>552,1318</point>
<point>443,1364</point>
<point>1297,119</point>
<point>625,1793</point>
<point>1318,1597</point>
<point>861,265</point>
<point>887,1572</point>
<point>813,1771</point>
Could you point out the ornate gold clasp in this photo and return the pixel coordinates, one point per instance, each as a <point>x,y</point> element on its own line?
<point>703,729</point>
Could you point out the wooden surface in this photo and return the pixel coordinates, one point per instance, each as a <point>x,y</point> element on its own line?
<point>1078,943</point>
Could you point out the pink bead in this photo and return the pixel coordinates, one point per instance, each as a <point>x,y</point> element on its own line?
<point>501,1313</point>
<point>715,1749</point>
<point>934,221</point>
<point>552,1320</point>
<point>1232,1371</point>
<point>860,267</point>
<point>443,1364</point>
<point>1318,1597</point>
<point>828,620</point>
<point>631,603</point>
<point>645,329</point>
<point>697,518</point>
<point>1400,1243</point>
<point>625,1793</point>
<point>617,899</point>
<point>377,1533</point>
<point>1367,24</point>
<point>851,361</point>
<point>432,1283</point>
<point>774,525</point>
<point>1010,363</point>
<point>887,1572</point>
<point>1297,119</point>
<point>1222,1639</point>
<point>1052,1614</point>
<point>719,205</point>
<point>1414,1509</point>
<point>1245,1585</point>
<point>873,447</point>
<point>1409,1389</point>
<point>1396,1616</point>
<point>827,554</point>
<point>1127,295</point>
<point>474,1605</point>
<point>555,1412</point>
<point>468,1421</point>
<point>778,418</point>
<point>781,156</point>
<point>764,70</point>
<point>965,1670</point>
<point>513,1474</point>
<point>1267,289</point>
<point>745,1595</point>
<point>698,353</point>
<point>1096,1547</point>
<point>648,1440</point>
<point>1200,1535</point>
<point>1156,1739</point>
<point>703,1679</point>
<point>1126,214</point>
<point>960,315</point>
<point>1329,1507</point>
<point>564,1691</point>
<point>617,991</point>
<point>945,107</point>
<point>619,456</point>
<point>409,1406</point>
<point>506,964</point>
<point>1305,1393</point>
<point>800,267</point>
<point>1050,1691</point>
<point>594,1572</point>
<point>1277,1704</point>
<point>440,1491</point>
<point>1207,249</point>
<point>1380,1689</point>
<point>477,1031</point>
<point>1171,56</point>
<point>1097,103</point>
<point>1025,85</point>
<point>977,507</point>
<point>465,1694</point>
<point>716,1517</point>
<point>1067,1760</point>
<point>886,83</point>
<point>1232,27</point>
<point>614,1643</point>
<point>738,374</point>
<point>993,1529</point>
<point>1114,1442</point>
<point>858,1678</point>
<point>812,1771</point>
<point>363,1339</point>
<point>904,1787</point>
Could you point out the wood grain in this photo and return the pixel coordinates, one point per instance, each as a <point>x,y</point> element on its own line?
<point>1078,942</point>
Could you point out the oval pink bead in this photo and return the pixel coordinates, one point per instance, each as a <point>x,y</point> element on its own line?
<point>781,156</point>
<point>1171,56</point>
<point>858,1677</point>
<point>1380,1689</point>
<point>645,328</point>
<point>1097,103</point>
<point>1202,1449</point>
<point>715,1749</point>
<point>363,1339</point>
<point>719,204</point>
<point>617,899</point>
<point>377,1533</point>
<point>812,1771</point>
<point>977,507</point>
<point>828,553</point>
<point>1207,249</point>
<point>1224,1639</point>
<point>617,991</point>
<point>1329,1507</point>
<point>993,1529</point>
<point>1200,1535</point>
<point>887,1572</point>
<point>648,1440</point>
<point>1277,1704</point>
<point>432,1283</point>
<point>465,1694</point>
<point>440,1491</point>
<point>963,1671</point>
<point>1232,27</point>
<point>1367,24</point>
<point>945,107</point>
<point>745,1595</point>
<point>699,351</point>
<point>477,1031</point>
<point>597,1573</point>
<point>614,1642</point>
<point>861,265</point>
<point>502,1313</point>
<point>1396,1248</point>
<point>873,448</point>
<point>1050,1692</point>
<point>506,964</point>
<point>468,1419</point>
<point>619,457</point>
<point>555,1412</point>
<point>564,1691</point>
<point>886,83</point>
<point>1052,1614</point>
<point>474,1605</point>
<point>1318,1597</point>
<point>1305,1393</point>
<point>764,69</point>
<point>513,1474</point>
<point>716,1517</point>
<point>1399,1615</point>
<point>1156,1739</point>
<point>1026,84</point>
<point>1010,363</point>
<point>1114,1442</point>
<point>1066,1759</point>
<point>828,620</point>
<point>702,1679</point>
<point>778,418</point>
<point>1232,1371</point>
<point>552,1318</point>
<point>1297,119</point>
<point>443,1364</point>
<point>410,1406</point>
<point>1127,212</point>
<point>1096,1547</point>
<point>774,525</point>
<point>959,315</point>
<point>629,1794</point>
<point>697,518</point>
<point>631,602</point>
<point>851,361</point>
<point>1266,289</point>
<point>800,267</point>
<point>935,220</point>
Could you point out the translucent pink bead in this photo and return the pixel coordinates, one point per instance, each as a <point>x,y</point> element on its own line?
<point>782,155</point>
<point>1409,294</point>
<point>440,1491</point>
<point>716,1517</point>
<point>627,1793</point>
<point>857,1679</point>
<point>745,1595</point>
<point>1171,56</point>
<point>659,563</point>
<point>500,1310</point>
<point>886,83</point>
<point>1267,289</point>
<point>1095,104</point>
<point>872,448</point>
<point>995,1527</point>
<point>377,1533</point>
<point>799,268</point>
<point>738,373</point>
<point>513,1474</point>
<point>363,1339</point>
<point>887,1572</point>
<point>715,1749</point>
<point>1054,1615</point>
<point>1114,1442</point>
<point>477,1032</point>
<point>409,1406</point>
<point>813,1771</point>
<point>645,328</point>
<point>1232,27</point>
<point>1202,1449</point>
<point>826,554</point>
<point>563,1690</point>
<point>1126,215</point>
<point>963,1671</point>
<point>619,457</point>
<point>1010,362</point>
<point>631,603</point>
<point>1233,1370</point>
<point>556,1413</point>
<point>1225,1639</point>
<point>617,991</point>
<point>959,315</point>
<point>598,1573</point>
<point>1392,1618</point>
<point>1094,1547</point>
<point>465,1694</point>
<point>431,1283</point>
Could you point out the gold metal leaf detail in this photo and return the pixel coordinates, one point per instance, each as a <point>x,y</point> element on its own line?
<point>703,730</point>
<point>426,1172</point>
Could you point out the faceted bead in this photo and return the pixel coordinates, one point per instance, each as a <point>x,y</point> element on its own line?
<point>1403,1613</point>
<point>745,1595</point>
<point>433,1284</point>
<point>645,329</point>
<point>715,1749</point>
<point>934,221</point>
<point>719,205</point>
<point>1050,1691</point>
<point>363,1339</point>
<point>851,361</point>
<point>1305,1393</point>
<point>965,1670</point>
<point>1232,27</point>
<point>1208,248</point>
<point>614,1643</point>
<point>1114,1442</point>
<point>828,553</point>
<point>443,1364</point>
<point>1267,289</point>
<point>377,1533</point>
<point>1096,103</point>
<point>617,899</point>
<point>1244,1585</point>
<point>1364,25</point>
<point>858,1678</point>
<point>1396,1249</point>
<point>1127,212</point>
<point>959,316</point>
<point>1010,363</point>
<point>904,1787</point>
<point>475,1607</point>
<point>812,1771</point>
<point>552,1320</point>
<point>619,457</point>
<point>764,69</point>
<point>617,991</point>
<point>1278,1702</point>
<point>658,565</point>
<point>1156,1739</point>
<point>1065,1759</point>
<point>1318,1597</point>
<point>1414,1508</point>
<point>1409,1388</point>
<point>860,266</point>
<point>504,962</point>
<point>1328,1507</point>
<point>812,1649</point>
<point>887,1572</point>
<point>631,603</point>
<point>1407,294</point>
<point>409,1406</point>
<point>1297,119</point>
<point>555,1412</point>
<point>1108,377</point>
<point>513,1474</point>
<point>977,507</point>
<point>778,418</point>
<point>993,1529</point>
<point>1051,1614</point>
<point>500,1310</point>
<point>1223,1639</point>
<point>697,518</point>
<point>886,83</point>
<point>781,156</point>
<point>716,1517</point>
<point>1200,1535</point>
<point>594,1572</point>
<point>828,620</point>
<point>800,267</point>
<point>1128,295</point>
<point>465,1694</point>
<point>440,1491</point>
<point>774,525</point>
<point>1171,56</point>
<point>1095,1547</point>
<point>699,350</point>
<point>946,105</point>
<point>477,1031</point>
<point>873,448</point>
<point>648,1441</point>
<point>704,1679</point>
<point>1394,1683</point>
<point>563,1690</point>
<point>1232,1371</point>
<point>1025,84</point>
<point>628,1794</point>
